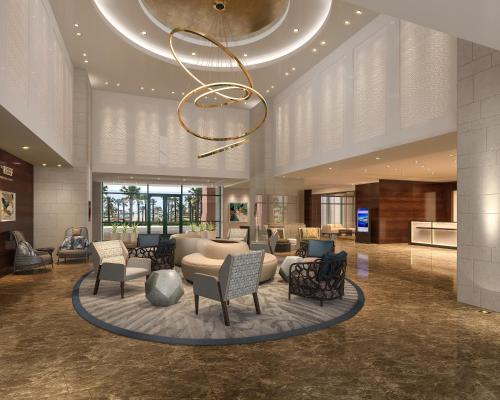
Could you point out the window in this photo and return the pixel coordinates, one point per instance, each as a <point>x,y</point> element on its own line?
<point>338,208</point>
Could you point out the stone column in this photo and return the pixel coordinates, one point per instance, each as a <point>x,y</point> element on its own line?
<point>478,273</point>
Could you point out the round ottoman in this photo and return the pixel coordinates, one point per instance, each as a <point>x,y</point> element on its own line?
<point>164,288</point>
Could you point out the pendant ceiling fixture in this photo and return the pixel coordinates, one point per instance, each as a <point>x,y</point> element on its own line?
<point>217,95</point>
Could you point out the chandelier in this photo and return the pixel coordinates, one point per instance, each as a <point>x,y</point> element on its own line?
<point>221,93</point>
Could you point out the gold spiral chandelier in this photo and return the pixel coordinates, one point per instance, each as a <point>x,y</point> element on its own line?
<point>223,93</point>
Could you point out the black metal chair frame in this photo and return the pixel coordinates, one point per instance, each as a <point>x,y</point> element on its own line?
<point>303,281</point>
<point>162,257</point>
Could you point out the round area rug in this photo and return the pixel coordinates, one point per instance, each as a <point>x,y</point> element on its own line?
<point>135,317</point>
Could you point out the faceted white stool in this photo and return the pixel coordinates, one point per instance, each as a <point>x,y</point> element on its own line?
<point>285,265</point>
<point>164,288</point>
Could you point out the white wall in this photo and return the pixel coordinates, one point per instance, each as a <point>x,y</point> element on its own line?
<point>61,195</point>
<point>36,84</point>
<point>478,277</point>
<point>141,135</point>
<point>392,83</point>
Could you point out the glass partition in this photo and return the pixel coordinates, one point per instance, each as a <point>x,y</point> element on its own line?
<point>338,208</point>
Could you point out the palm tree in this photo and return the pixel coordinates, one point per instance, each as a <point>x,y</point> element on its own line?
<point>153,202</point>
<point>132,192</point>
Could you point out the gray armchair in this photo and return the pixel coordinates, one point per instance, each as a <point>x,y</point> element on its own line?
<point>268,246</point>
<point>26,258</point>
<point>79,244</point>
<point>238,276</point>
<point>112,263</point>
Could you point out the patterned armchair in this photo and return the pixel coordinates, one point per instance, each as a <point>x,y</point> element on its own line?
<point>309,233</point>
<point>75,244</point>
<point>26,258</point>
<point>322,279</point>
<point>238,276</point>
<point>112,263</point>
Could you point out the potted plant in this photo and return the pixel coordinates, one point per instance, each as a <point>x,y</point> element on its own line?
<point>125,235</point>
<point>133,232</point>
<point>211,231</point>
<point>203,230</point>
<point>114,232</point>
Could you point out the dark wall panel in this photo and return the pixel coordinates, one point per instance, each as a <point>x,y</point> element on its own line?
<point>21,183</point>
<point>312,209</point>
<point>367,196</point>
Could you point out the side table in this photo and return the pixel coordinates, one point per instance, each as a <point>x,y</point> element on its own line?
<point>49,250</point>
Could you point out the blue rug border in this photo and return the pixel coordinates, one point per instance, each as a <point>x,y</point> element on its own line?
<point>212,342</point>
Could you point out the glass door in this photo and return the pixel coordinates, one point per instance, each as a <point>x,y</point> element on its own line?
<point>164,214</point>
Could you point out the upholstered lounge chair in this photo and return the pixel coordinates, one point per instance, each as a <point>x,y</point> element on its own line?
<point>238,276</point>
<point>26,258</point>
<point>237,234</point>
<point>112,263</point>
<point>309,233</point>
<point>79,240</point>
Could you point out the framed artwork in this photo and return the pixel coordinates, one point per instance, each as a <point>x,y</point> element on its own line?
<point>7,206</point>
<point>238,212</point>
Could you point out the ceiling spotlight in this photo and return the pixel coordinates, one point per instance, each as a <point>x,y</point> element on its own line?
<point>267,91</point>
<point>272,86</point>
<point>183,93</point>
<point>388,166</point>
<point>152,89</point>
<point>322,43</point>
<point>293,68</point>
<point>359,12</point>
<point>295,30</point>
<point>378,158</point>
<point>118,84</point>
<point>172,92</point>
<point>25,147</point>
<point>193,53</point>
<point>76,25</point>
<point>347,22</point>
<point>330,168</point>
<point>84,54</point>
<point>314,50</point>
<point>245,55</point>
<point>142,87</point>
<point>286,73</point>
<point>78,34</point>
<point>59,165</point>
<point>144,33</point>
<point>86,61</point>
<point>44,165</point>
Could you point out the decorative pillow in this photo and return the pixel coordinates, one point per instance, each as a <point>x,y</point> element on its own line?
<point>76,232</point>
<point>311,233</point>
<point>25,249</point>
<point>67,243</point>
<point>80,242</point>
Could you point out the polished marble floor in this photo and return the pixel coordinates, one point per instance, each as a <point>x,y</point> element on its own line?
<point>412,340</point>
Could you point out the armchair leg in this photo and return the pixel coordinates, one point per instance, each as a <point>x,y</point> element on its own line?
<point>196,303</point>
<point>256,301</point>
<point>122,289</point>
<point>225,312</point>
<point>97,280</point>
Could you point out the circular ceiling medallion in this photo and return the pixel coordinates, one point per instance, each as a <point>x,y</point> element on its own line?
<point>220,19</point>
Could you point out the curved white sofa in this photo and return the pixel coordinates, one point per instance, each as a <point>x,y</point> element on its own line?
<point>206,256</point>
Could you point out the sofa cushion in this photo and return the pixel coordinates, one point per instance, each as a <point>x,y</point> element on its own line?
<point>317,248</point>
<point>310,233</point>
<point>76,232</point>
<point>25,249</point>
<point>67,243</point>
<point>80,242</point>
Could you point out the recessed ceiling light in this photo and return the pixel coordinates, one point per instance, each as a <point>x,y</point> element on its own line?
<point>118,84</point>
<point>330,168</point>
<point>267,91</point>
<point>314,50</point>
<point>245,103</point>
<point>76,25</point>
<point>215,98</point>
<point>144,33</point>
<point>322,43</point>
<point>183,93</point>
<point>86,61</point>
<point>25,147</point>
<point>193,53</point>
<point>347,22</point>
<point>245,55</point>
<point>388,166</point>
<point>286,74</point>
<point>142,87</point>
<point>152,89</point>
<point>78,34</point>
<point>106,83</point>
<point>293,68</point>
<point>272,86</point>
<point>378,158</point>
<point>44,165</point>
<point>359,12</point>
<point>173,92</point>
<point>451,155</point>
<point>84,54</point>
<point>295,30</point>
<point>59,165</point>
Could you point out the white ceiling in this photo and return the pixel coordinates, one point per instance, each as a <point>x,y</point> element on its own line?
<point>474,20</point>
<point>432,160</point>
<point>111,57</point>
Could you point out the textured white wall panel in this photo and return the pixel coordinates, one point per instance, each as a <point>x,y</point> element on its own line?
<point>370,86</point>
<point>141,135</point>
<point>428,67</point>
<point>368,94</point>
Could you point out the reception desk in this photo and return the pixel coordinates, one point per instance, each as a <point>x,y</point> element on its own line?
<point>439,234</point>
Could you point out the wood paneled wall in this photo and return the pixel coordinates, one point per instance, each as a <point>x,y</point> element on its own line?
<point>394,204</point>
<point>312,209</point>
<point>21,183</point>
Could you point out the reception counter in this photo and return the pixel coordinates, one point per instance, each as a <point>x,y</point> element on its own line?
<point>439,234</point>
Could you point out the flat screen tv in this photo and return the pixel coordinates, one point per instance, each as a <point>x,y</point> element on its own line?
<point>363,220</point>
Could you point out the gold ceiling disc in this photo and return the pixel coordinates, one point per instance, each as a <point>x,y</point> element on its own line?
<point>244,17</point>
